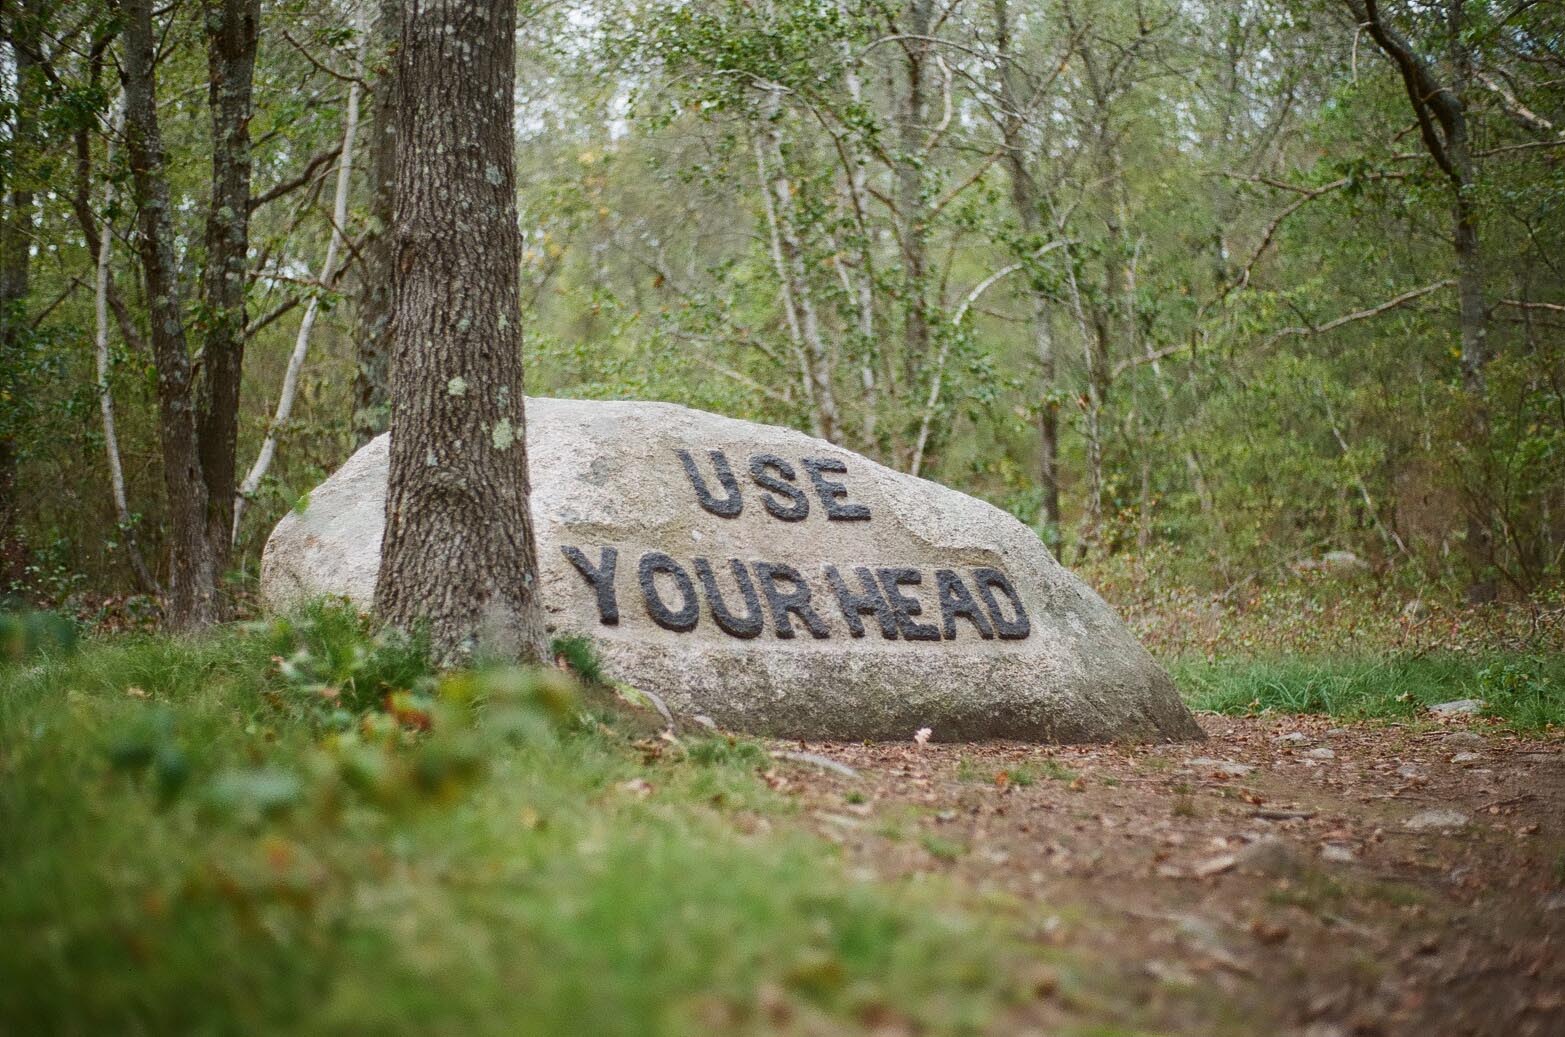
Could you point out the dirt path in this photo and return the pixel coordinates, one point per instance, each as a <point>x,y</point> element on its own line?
<point>1288,876</point>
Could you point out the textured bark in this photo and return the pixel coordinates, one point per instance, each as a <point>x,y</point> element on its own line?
<point>231,27</point>
<point>459,553</point>
<point>16,235</point>
<point>371,378</point>
<point>192,584</point>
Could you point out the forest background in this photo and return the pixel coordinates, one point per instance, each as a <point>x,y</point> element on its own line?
<point>1204,292</point>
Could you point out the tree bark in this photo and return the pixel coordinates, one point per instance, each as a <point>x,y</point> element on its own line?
<point>459,555</point>
<point>789,254</point>
<point>911,203</point>
<point>192,600</point>
<point>17,227</point>
<point>111,440</point>
<point>371,391</point>
<point>231,27</point>
<point>1025,200</point>
<point>1441,113</point>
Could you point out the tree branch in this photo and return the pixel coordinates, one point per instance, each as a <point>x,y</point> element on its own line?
<point>1357,315</point>
<point>312,170</point>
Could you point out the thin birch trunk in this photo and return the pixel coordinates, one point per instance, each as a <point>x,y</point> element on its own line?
<point>789,253</point>
<point>863,288</point>
<point>111,442</point>
<point>937,382</point>
<point>785,286</point>
<point>301,345</point>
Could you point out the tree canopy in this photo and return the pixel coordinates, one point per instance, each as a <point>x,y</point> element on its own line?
<point>1228,283</point>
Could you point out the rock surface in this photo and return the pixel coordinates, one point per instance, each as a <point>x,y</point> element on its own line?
<point>779,584</point>
<point>1459,707</point>
<point>1439,819</point>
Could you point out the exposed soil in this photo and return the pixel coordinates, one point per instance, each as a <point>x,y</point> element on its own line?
<point>1250,884</point>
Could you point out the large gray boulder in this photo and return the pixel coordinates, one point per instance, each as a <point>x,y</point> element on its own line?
<point>779,584</point>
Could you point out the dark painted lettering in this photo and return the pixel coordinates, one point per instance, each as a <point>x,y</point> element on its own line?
<point>990,580</point>
<point>796,601</point>
<point>869,603</point>
<point>906,607</point>
<point>653,564</point>
<point>600,579</point>
<point>956,601</point>
<point>729,506</point>
<point>746,626</point>
<point>762,467</point>
<point>832,494</point>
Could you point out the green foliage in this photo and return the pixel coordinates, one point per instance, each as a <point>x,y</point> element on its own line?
<point>25,634</point>
<point>1526,692</point>
<point>582,658</point>
<point>331,658</point>
<point>186,850</point>
<point>725,750</point>
<point>1231,396</point>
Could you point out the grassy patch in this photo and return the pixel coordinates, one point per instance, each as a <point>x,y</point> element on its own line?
<point>299,827</point>
<point>1527,692</point>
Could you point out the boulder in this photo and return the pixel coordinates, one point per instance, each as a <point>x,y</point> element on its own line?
<point>779,584</point>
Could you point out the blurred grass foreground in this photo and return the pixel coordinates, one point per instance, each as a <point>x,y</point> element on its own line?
<point>296,825</point>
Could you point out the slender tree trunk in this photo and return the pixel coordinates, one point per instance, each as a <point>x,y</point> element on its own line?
<point>459,554</point>
<point>17,226</point>
<point>371,393</point>
<point>111,441</point>
<point>192,585</point>
<point>862,288</point>
<point>328,278</point>
<point>1474,320</point>
<point>1025,201</point>
<point>911,203</point>
<point>231,27</point>
<point>817,362</point>
<point>1048,417</point>
<point>1441,112</point>
<point>785,285</point>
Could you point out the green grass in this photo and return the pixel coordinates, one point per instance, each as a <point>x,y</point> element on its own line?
<point>298,827</point>
<point>1526,692</point>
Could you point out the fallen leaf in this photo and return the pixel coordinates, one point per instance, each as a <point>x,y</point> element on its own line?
<point>1214,865</point>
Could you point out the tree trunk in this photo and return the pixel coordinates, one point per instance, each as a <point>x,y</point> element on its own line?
<point>192,584</point>
<point>328,279</point>
<point>1474,319</point>
<point>862,288</point>
<point>111,441</point>
<point>911,204</point>
<point>1024,200</point>
<point>371,393</point>
<point>793,272</point>
<point>1441,112</point>
<point>16,240</point>
<point>459,553</point>
<point>231,27</point>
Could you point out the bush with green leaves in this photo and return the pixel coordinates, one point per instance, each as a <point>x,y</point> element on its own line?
<point>188,848</point>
